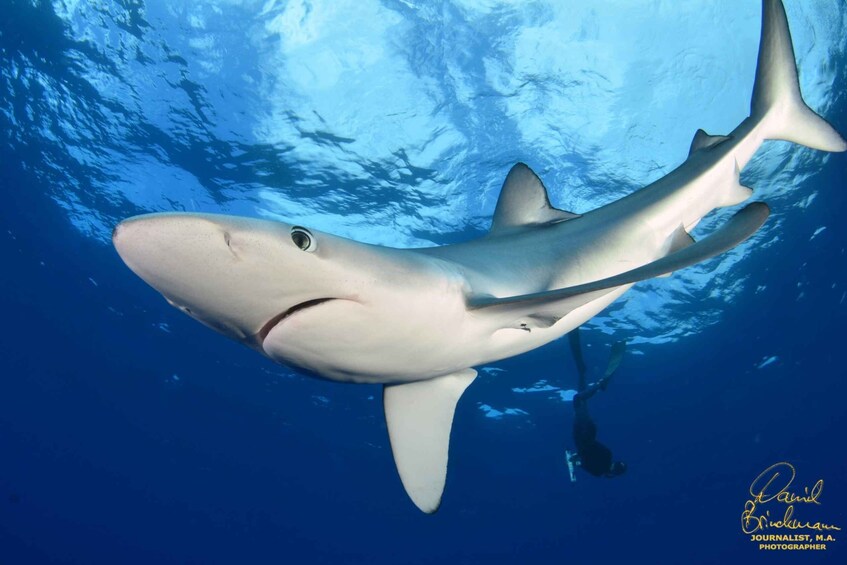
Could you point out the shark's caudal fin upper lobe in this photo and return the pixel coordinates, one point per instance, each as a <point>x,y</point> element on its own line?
<point>777,101</point>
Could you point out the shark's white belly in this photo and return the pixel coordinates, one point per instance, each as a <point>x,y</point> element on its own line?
<point>343,341</point>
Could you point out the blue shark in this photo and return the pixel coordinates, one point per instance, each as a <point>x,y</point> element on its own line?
<point>419,320</point>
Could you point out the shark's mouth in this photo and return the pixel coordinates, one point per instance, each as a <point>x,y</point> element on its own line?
<point>279,318</point>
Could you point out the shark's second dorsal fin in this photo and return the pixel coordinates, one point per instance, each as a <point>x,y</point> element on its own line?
<point>524,202</point>
<point>703,140</point>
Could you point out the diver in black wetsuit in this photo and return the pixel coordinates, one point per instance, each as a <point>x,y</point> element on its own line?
<point>592,455</point>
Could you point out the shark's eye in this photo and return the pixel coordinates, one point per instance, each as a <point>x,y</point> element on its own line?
<point>303,239</point>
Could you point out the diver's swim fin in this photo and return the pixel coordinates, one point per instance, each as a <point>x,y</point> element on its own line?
<point>615,358</point>
<point>569,457</point>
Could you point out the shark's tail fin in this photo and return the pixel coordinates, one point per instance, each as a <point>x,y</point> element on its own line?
<point>777,101</point>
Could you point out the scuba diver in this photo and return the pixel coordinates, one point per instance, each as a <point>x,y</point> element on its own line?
<point>590,454</point>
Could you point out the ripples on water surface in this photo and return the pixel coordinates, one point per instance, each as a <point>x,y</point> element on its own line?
<point>395,122</point>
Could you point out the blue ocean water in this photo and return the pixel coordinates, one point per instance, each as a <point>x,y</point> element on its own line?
<point>131,434</point>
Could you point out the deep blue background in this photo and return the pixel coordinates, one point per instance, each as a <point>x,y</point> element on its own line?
<point>106,458</point>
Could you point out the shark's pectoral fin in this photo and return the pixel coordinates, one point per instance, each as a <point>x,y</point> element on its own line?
<point>419,416</point>
<point>558,303</point>
<point>524,202</point>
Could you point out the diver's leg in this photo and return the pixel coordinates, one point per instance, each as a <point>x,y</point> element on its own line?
<point>584,429</point>
<point>576,350</point>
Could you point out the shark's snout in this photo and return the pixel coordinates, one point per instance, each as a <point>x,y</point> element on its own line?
<point>150,243</point>
<point>240,276</point>
<point>132,236</point>
<point>115,232</point>
<point>126,237</point>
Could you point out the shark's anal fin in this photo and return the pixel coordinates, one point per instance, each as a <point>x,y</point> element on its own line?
<point>524,202</point>
<point>419,416</point>
<point>558,303</point>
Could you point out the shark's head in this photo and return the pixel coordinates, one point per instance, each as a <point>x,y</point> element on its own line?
<point>240,276</point>
<point>301,296</point>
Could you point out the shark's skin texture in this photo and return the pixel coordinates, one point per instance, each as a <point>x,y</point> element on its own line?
<point>418,320</point>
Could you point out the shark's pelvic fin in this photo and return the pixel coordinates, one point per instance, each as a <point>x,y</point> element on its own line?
<point>679,240</point>
<point>524,202</point>
<point>558,303</point>
<point>703,140</point>
<point>419,416</point>
<point>777,101</point>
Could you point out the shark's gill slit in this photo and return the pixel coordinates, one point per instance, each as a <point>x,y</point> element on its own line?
<point>273,322</point>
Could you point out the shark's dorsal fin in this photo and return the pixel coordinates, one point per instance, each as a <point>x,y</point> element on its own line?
<point>703,140</point>
<point>419,416</point>
<point>524,202</point>
<point>543,309</point>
